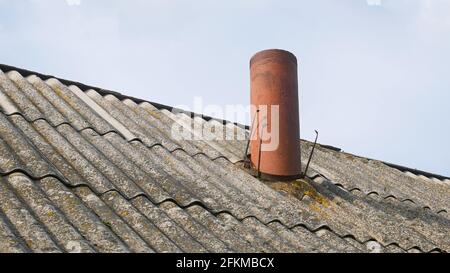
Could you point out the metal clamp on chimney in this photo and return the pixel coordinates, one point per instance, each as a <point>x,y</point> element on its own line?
<point>275,137</point>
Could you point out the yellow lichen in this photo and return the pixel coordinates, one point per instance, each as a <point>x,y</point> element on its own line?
<point>311,192</point>
<point>301,188</point>
<point>50,213</point>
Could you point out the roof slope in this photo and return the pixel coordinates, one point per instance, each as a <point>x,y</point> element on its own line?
<point>92,171</point>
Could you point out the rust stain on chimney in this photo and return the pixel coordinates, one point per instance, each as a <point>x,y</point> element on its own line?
<point>274,83</point>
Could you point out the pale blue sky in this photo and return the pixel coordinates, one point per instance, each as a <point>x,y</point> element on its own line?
<point>374,78</point>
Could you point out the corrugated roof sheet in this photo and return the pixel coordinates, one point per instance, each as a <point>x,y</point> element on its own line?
<point>85,170</point>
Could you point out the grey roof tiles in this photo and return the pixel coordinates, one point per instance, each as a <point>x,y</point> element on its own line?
<point>89,171</point>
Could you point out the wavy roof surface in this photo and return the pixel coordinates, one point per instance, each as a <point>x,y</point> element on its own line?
<point>88,170</point>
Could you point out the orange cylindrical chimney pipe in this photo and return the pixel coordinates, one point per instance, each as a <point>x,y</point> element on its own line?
<point>275,140</point>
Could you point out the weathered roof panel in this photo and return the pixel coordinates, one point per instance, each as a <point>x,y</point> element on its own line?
<point>86,170</point>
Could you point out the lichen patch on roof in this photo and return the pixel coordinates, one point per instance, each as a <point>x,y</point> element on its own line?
<point>85,170</point>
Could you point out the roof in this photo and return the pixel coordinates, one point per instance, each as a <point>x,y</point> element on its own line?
<point>88,170</point>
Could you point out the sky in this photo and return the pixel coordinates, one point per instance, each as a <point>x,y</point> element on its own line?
<point>374,74</point>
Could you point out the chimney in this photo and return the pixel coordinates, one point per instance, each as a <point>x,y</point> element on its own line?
<point>275,140</point>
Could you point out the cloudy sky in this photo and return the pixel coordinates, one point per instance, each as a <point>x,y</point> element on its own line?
<point>375,74</point>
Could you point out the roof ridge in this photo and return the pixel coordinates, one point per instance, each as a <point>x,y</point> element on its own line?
<point>120,96</point>
<point>392,165</point>
<point>159,106</point>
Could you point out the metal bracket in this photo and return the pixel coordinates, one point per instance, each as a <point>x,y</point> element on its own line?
<point>246,160</point>
<point>311,155</point>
